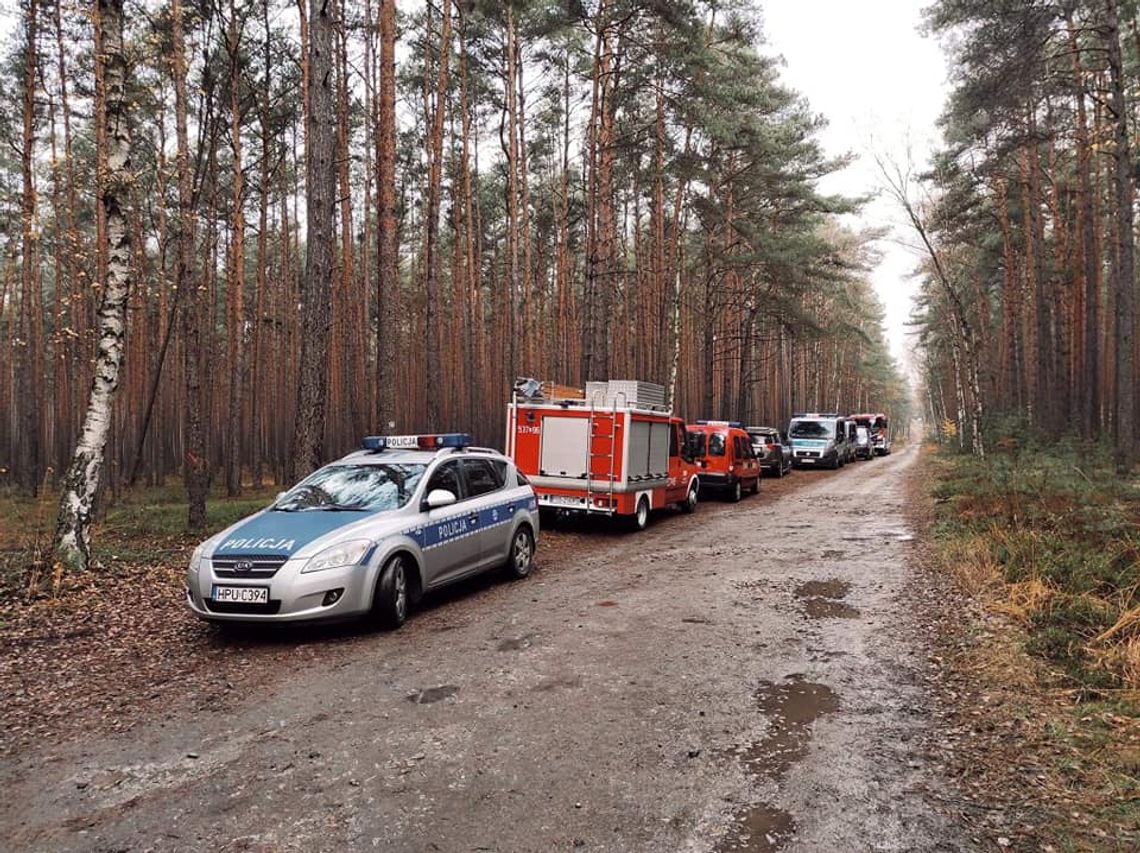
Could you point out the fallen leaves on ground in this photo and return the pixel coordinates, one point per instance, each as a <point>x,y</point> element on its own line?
<point>118,644</point>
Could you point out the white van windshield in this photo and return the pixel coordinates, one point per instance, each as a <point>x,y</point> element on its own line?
<point>812,429</point>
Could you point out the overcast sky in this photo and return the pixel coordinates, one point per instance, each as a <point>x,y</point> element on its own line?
<point>865,66</point>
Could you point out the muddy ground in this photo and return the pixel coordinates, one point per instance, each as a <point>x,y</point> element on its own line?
<point>746,678</point>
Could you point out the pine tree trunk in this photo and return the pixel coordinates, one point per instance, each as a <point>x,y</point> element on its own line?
<point>388,244</point>
<point>1089,276</point>
<point>29,349</point>
<point>73,531</point>
<point>431,225</point>
<point>1124,279</point>
<point>235,287</point>
<point>320,210</point>
<point>196,470</point>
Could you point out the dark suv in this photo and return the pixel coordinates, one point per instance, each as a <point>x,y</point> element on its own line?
<point>773,449</point>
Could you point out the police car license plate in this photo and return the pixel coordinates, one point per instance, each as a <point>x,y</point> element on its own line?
<point>240,594</point>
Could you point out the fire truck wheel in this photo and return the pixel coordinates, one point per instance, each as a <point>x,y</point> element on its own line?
<point>689,504</point>
<point>521,559</point>
<point>640,519</point>
<point>755,490</point>
<point>737,492</point>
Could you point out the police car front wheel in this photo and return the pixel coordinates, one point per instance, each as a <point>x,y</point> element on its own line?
<point>390,601</point>
<point>521,558</point>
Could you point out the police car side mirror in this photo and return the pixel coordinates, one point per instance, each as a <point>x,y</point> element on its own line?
<point>439,497</point>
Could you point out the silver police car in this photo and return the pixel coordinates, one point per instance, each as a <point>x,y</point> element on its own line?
<point>369,534</point>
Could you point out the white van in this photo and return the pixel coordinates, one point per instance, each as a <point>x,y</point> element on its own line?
<point>819,440</point>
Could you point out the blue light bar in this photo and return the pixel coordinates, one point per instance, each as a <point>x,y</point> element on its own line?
<point>447,439</point>
<point>437,441</point>
<point>737,424</point>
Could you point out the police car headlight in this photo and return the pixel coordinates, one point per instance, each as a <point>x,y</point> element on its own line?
<point>342,554</point>
<point>196,558</point>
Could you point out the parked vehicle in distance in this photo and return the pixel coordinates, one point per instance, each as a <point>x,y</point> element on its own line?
<point>368,534</point>
<point>723,450</point>
<point>773,449</point>
<point>614,450</point>
<point>879,426</point>
<point>818,439</point>
<point>863,447</point>
<point>852,435</point>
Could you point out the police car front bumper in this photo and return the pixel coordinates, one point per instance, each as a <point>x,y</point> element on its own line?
<point>333,594</point>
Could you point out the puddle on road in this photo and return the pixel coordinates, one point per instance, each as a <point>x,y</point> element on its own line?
<point>515,644</point>
<point>823,608</point>
<point>558,682</point>
<point>433,694</point>
<point>833,588</point>
<point>823,599</point>
<point>791,708</point>
<point>760,829</point>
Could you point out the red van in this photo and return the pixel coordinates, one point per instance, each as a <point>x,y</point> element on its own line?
<point>724,453</point>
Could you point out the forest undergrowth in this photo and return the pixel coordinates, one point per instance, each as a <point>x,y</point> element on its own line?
<point>1044,538</point>
<point>144,526</point>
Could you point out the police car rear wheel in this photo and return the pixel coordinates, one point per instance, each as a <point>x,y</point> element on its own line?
<point>521,560</point>
<point>390,602</point>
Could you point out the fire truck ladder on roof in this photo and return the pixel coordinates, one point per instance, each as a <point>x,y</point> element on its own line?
<point>602,443</point>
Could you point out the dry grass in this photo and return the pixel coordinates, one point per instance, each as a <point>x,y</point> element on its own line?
<point>1041,759</point>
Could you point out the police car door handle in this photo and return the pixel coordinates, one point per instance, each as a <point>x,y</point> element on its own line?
<point>474,518</point>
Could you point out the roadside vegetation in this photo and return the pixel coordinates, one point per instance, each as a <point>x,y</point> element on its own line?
<point>146,526</point>
<point>1046,539</point>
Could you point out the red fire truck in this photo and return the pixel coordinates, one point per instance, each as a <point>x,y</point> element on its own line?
<point>615,450</point>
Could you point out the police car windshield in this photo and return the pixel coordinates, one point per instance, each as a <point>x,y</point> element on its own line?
<point>357,488</point>
<point>812,429</point>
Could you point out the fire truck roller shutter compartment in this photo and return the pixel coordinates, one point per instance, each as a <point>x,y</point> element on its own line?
<point>565,446</point>
<point>648,451</point>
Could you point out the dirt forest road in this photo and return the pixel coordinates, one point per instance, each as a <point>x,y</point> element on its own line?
<point>747,678</point>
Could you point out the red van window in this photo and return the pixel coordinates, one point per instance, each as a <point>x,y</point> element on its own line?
<point>716,444</point>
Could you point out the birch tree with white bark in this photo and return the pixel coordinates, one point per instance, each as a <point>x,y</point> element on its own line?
<point>73,530</point>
